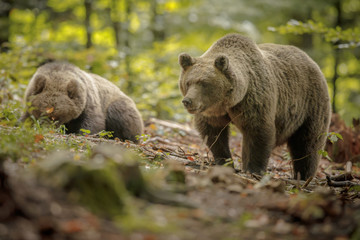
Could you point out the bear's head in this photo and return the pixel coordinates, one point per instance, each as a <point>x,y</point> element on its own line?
<point>59,95</point>
<point>206,84</point>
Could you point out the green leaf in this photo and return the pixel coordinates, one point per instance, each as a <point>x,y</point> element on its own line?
<point>85,131</point>
<point>323,153</point>
<point>334,137</point>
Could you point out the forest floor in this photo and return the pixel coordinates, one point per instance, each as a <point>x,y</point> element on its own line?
<point>206,201</point>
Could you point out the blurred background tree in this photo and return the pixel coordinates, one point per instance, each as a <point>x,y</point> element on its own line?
<point>135,43</point>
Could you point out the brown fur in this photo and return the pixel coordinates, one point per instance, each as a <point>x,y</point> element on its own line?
<point>273,93</point>
<point>81,100</point>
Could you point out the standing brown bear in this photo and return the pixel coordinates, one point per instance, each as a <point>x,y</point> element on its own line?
<point>81,100</point>
<point>272,93</point>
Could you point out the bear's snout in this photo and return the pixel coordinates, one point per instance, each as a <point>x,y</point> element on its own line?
<point>187,102</point>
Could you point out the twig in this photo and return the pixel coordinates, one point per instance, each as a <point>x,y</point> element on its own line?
<point>246,179</point>
<point>340,184</point>
<point>307,182</point>
<point>343,177</point>
<point>181,150</point>
<point>256,176</point>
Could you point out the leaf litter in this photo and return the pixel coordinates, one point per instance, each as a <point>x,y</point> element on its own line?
<point>218,201</point>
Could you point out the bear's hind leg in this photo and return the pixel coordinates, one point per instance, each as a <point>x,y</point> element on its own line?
<point>304,145</point>
<point>124,120</point>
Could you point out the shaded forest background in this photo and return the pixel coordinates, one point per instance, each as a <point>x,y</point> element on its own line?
<point>165,186</point>
<point>135,44</point>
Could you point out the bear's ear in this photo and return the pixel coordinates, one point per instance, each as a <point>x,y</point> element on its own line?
<point>222,63</point>
<point>186,61</point>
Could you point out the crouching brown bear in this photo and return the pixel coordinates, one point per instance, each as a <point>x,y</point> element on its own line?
<point>273,93</point>
<point>81,100</point>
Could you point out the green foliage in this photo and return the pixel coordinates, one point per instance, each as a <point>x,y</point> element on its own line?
<point>334,137</point>
<point>143,63</point>
<point>349,38</point>
<point>324,154</point>
<point>85,131</point>
<point>34,139</point>
<point>142,137</point>
<point>106,134</point>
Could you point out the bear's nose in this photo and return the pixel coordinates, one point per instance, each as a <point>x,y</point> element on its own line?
<point>186,102</point>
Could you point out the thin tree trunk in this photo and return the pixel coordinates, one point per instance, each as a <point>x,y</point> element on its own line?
<point>116,23</point>
<point>5,24</point>
<point>88,11</point>
<point>336,55</point>
<point>127,45</point>
<point>157,24</point>
<point>335,77</point>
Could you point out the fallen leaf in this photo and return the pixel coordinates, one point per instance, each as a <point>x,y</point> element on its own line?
<point>190,158</point>
<point>49,110</point>
<point>73,226</point>
<point>152,126</point>
<point>38,138</point>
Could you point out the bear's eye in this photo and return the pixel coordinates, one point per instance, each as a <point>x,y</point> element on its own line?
<point>38,90</point>
<point>71,94</point>
<point>72,90</point>
<point>39,85</point>
<point>204,84</point>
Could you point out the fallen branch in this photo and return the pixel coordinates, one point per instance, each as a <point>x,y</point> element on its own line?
<point>340,183</point>
<point>343,177</point>
<point>248,180</point>
<point>306,183</point>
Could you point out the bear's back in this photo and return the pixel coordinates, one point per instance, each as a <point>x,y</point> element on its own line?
<point>237,48</point>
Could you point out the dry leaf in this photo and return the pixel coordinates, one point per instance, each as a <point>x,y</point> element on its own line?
<point>73,226</point>
<point>152,126</point>
<point>49,110</point>
<point>38,138</point>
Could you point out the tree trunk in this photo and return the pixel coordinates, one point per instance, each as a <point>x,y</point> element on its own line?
<point>116,23</point>
<point>127,46</point>
<point>157,22</point>
<point>88,11</point>
<point>5,9</point>
<point>336,55</point>
<point>335,77</point>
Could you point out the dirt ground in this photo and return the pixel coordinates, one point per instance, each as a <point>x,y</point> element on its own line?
<point>218,202</point>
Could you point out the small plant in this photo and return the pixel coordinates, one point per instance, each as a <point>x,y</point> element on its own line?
<point>85,132</point>
<point>106,134</point>
<point>333,138</point>
<point>229,162</point>
<point>286,156</point>
<point>62,129</point>
<point>142,138</point>
<point>324,154</point>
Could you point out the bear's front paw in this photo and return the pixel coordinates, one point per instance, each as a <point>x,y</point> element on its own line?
<point>220,161</point>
